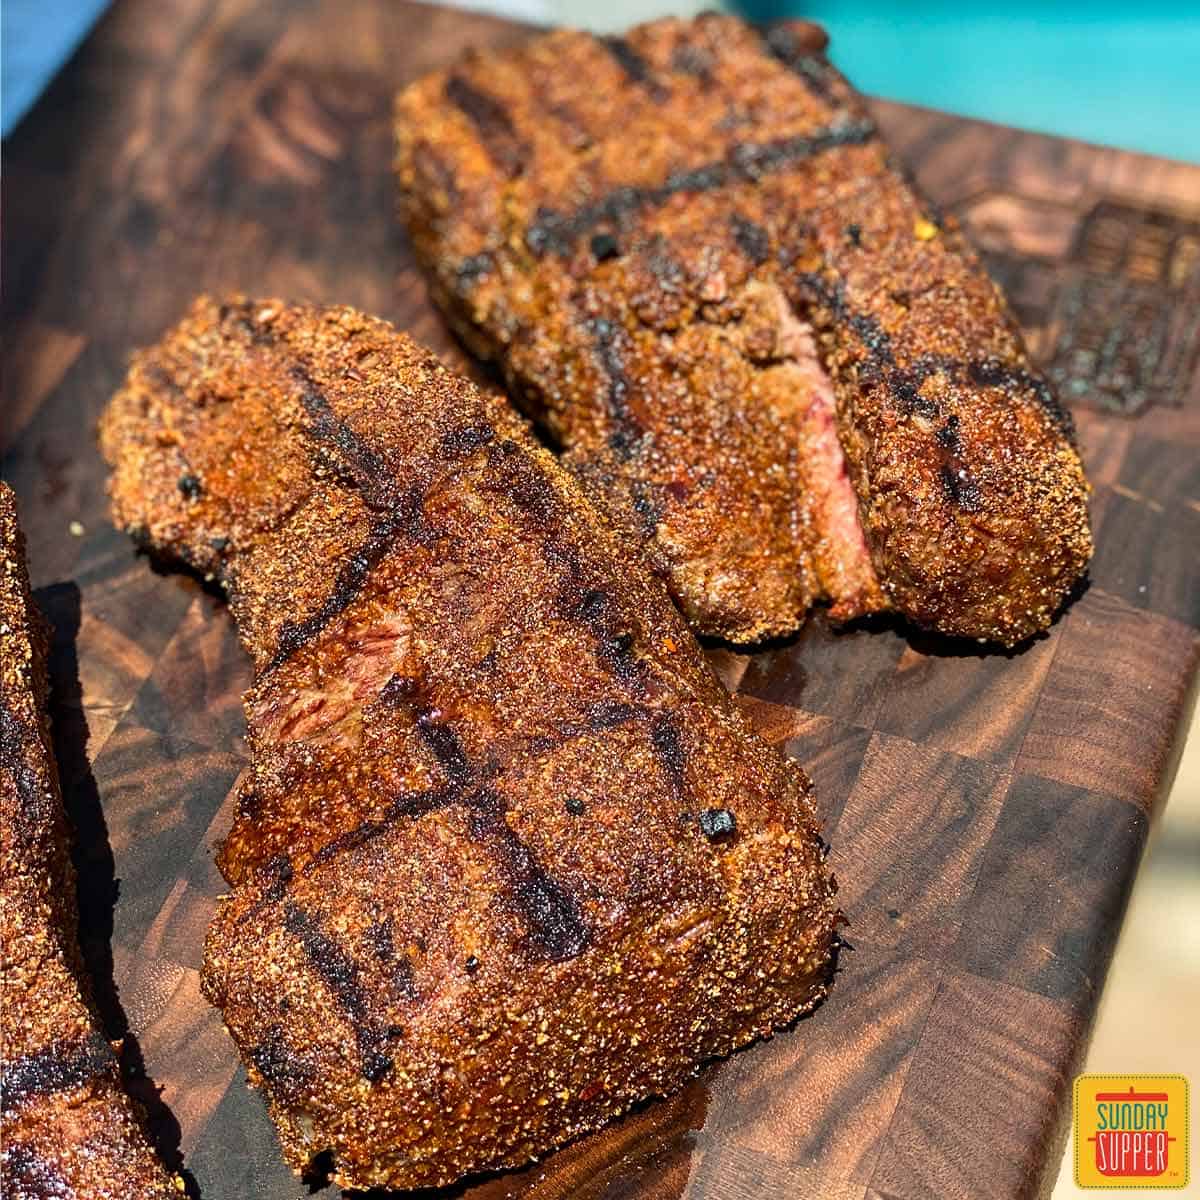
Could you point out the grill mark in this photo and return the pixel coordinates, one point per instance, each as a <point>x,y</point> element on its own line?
<point>408,804</point>
<point>446,748</point>
<point>664,737</point>
<point>809,65</point>
<point>556,929</point>
<point>341,975</point>
<point>578,603</point>
<point>399,512</point>
<point>550,914</point>
<point>382,943</point>
<point>607,336</point>
<point>57,1068</point>
<point>556,233</point>
<point>286,1073</point>
<point>695,61</point>
<point>904,384</point>
<point>752,240</point>
<point>528,488</point>
<point>350,581</point>
<point>637,69</point>
<point>492,123</point>
<point>990,372</point>
<point>32,795</point>
<point>462,443</point>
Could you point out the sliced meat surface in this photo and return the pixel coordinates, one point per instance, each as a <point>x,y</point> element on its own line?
<point>769,360</point>
<point>507,859</point>
<point>67,1127</point>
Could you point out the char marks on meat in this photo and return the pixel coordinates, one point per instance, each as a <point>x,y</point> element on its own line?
<point>466,847</point>
<point>722,298</point>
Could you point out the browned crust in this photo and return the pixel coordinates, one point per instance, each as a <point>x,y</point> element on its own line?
<point>68,1128</point>
<point>508,858</point>
<point>716,157</point>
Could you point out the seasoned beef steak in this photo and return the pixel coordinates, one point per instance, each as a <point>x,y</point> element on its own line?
<point>770,362</point>
<point>507,858</point>
<point>67,1128</point>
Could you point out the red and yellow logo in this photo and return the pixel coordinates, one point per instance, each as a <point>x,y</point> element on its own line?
<point>1131,1131</point>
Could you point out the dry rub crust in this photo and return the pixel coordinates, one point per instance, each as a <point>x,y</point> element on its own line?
<point>508,859</point>
<point>68,1128</point>
<point>614,220</point>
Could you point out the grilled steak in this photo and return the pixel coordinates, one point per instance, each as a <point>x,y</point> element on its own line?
<point>765,356</point>
<point>67,1128</point>
<point>507,859</point>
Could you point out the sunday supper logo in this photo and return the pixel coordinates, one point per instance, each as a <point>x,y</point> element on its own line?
<point>1131,1131</point>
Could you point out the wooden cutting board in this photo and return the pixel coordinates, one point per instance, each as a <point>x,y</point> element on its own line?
<point>987,811</point>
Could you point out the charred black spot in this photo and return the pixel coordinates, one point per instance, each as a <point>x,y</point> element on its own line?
<point>960,487</point>
<point>592,604</point>
<point>285,1073</point>
<point>808,64</point>
<point>608,714</point>
<point>696,61</point>
<point>905,387</point>
<point>446,747</point>
<point>948,436</point>
<point>376,1065</point>
<point>706,178</point>
<point>644,506</point>
<point>278,872</point>
<point>854,233</point>
<point>461,443</point>
<point>574,806</point>
<point>604,246</point>
<point>349,583</point>
<point>398,689</point>
<point>752,240</point>
<point>58,1068</point>
<point>664,736</point>
<point>379,938</point>
<point>492,123</point>
<point>553,232</point>
<point>752,160</point>
<point>530,490</point>
<point>717,823</point>
<point>617,654</point>
<point>191,487</point>
<point>473,268</point>
<point>471,965</point>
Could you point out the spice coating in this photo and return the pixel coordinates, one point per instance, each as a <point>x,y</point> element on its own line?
<point>67,1128</point>
<point>764,355</point>
<point>469,921</point>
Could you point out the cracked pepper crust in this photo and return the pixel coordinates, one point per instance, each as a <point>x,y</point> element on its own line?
<point>507,859</point>
<point>635,228</point>
<point>68,1128</point>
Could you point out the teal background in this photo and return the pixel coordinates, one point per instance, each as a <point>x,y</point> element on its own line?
<point>1121,74</point>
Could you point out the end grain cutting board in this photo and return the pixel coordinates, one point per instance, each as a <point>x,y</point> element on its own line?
<point>987,811</point>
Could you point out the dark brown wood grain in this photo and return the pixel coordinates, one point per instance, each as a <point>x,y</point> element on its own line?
<point>987,811</point>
